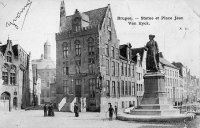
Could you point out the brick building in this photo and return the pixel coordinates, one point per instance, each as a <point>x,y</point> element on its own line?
<point>14,77</point>
<point>91,68</point>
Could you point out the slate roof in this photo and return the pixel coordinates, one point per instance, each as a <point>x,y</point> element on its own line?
<point>122,51</point>
<point>44,63</point>
<point>96,17</point>
<point>179,65</point>
<point>167,63</point>
<point>15,49</point>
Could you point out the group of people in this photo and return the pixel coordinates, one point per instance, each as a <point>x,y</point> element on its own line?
<point>48,110</point>
<point>112,110</point>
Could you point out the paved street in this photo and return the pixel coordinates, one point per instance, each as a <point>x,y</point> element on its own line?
<point>35,119</point>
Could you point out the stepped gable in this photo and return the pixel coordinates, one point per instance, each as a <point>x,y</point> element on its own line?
<point>96,17</point>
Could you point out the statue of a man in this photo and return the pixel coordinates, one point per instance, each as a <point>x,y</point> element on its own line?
<point>152,63</point>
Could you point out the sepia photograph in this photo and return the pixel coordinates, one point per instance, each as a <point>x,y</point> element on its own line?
<point>99,64</point>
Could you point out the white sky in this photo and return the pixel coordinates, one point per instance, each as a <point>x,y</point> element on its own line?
<point>42,22</point>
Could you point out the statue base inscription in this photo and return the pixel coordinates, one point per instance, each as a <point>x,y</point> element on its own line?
<point>154,100</point>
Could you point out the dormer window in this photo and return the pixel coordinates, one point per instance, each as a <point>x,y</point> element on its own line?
<point>77,23</point>
<point>9,57</point>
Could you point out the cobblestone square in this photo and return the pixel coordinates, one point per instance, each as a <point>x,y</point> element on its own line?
<point>35,119</point>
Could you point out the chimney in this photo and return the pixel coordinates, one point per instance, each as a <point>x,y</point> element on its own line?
<point>128,51</point>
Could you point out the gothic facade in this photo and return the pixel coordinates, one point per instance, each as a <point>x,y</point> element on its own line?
<point>14,80</point>
<point>91,67</point>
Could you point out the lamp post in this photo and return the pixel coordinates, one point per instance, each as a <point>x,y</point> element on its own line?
<point>99,87</point>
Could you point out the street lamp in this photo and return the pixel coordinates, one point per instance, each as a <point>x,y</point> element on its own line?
<point>99,88</point>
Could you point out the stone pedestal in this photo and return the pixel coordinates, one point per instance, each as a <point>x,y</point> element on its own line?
<point>154,100</point>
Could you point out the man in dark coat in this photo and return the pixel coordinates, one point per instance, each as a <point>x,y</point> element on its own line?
<point>52,110</point>
<point>76,110</point>
<point>45,110</point>
<point>110,110</point>
<point>49,110</point>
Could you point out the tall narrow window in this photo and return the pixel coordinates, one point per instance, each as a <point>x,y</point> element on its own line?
<point>5,74</point>
<point>113,68</point>
<point>92,87</point>
<point>118,88</point>
<point>110,35</point>
<point>78,66</point>
<point>122,68</point>
<point>5,77</point>
<point>77,48</point>
<point>129,88</point>
<point>117,69</point>
<point>108,88</point>
<point>12,76</point>
<point>113,89</point>
<point>125,69</point>
<point>122,87</point>
<point>113,52</point>
<point>78,88</point>
<point>65,68</point>
<point>65,87</point>
<point>91,46</point>
<point>91,65</point>
<point>126,88</point>
<point>107,50</point>
<point>65,50</point>
<point>133,71</point>
<point>107,67</point>
<point>133,88</point>
<point>9,56</point>
<point>129,70</point>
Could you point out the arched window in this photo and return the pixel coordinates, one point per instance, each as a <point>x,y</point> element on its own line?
<point>13,75</point>
<point>65,50</point>
<point>9,57</point>
<point>77,48</point>
<point>5,96</point>
<point>91,46</point>
<point>5,74</point>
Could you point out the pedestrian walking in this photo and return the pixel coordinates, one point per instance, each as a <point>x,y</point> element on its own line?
<point>45,110</point>
<point>76,110</point>
<point>116,110</point>
<point>110,110</point>
<point>52,110</point>
<point>49,110</point>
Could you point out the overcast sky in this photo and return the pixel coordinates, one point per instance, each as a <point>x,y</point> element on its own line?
<point>178,40</point>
